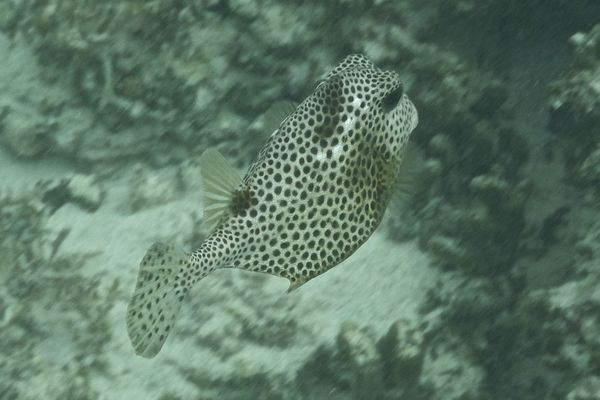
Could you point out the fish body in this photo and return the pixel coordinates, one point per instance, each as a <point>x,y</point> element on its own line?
<point>317,191</point>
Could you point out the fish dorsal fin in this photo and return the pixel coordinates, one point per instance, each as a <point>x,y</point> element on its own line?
<point>276,114</point>
<point>220,181</point>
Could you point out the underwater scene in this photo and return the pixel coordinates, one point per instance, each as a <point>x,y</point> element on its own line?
<point>346,200</point>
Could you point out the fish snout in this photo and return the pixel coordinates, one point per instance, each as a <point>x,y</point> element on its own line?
<point>412,116</point>
<point>414,121</point>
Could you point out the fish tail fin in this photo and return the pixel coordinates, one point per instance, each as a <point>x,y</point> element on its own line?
<point>158,294</point>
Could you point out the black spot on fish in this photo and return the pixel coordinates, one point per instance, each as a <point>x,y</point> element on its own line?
<point>241,201</point>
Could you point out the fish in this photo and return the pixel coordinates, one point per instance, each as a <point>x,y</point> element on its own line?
<point>317,191</point>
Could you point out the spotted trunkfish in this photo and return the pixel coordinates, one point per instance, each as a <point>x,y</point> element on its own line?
<point>316,192</point>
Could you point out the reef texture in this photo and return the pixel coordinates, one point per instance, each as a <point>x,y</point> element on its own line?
<point>51,314</point>
<point>127,94</point>
<point>575,111</point>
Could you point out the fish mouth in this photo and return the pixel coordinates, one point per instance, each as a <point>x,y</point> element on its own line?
<point>414,121</point>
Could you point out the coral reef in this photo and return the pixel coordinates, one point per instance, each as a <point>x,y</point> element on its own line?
<point>516,335</point>
<point>359,366</point>
<point>494,34</point>
<point>575,110</point>
<point>587,389</point>
<point>469,207</point>
<point>80,189</point>
<point>46,305</point>
<point>473,217</point>
<point>148,189</point>
<point>511,338</point>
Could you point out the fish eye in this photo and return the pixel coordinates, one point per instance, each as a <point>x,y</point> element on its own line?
<point>390,101</point>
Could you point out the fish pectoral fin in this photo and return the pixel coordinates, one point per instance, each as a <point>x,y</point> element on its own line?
<point>220,181</point>
<point>407,182</point>
<point>156,299</point>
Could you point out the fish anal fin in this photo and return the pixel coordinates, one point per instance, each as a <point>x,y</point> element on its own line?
<point>296,283</point>
<point>220,182</point>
